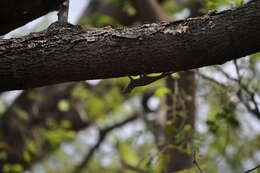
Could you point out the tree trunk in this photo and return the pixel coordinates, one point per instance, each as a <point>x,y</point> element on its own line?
<point>180,119</point>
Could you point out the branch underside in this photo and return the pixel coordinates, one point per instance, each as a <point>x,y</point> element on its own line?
<point>64,52</point>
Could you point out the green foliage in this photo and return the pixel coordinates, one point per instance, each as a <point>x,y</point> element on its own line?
<point>217,4</point>
<point>104,101</point>
<point>12,168</point>
<point>99,20</point>
<point>21,113</point>
<point>127,154</point>
<point>117,3</point>
<point>217,120</point>
<point>55,134</point>
<point>64,105</point>
<point>31,148</point>
<point>3,107</point>
<point>170,7</point>
<point>253,62</point>
<point>228,138</point>
<point>160,92</point>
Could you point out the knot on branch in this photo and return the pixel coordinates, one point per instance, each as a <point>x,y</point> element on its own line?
<point>58,27</point>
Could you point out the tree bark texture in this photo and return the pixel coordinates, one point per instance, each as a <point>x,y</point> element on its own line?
<point>16,13</point>
<point>69,53</point>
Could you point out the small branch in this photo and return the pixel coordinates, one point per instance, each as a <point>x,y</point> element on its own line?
<point>63,12</point>
<point>243,88</point>
<point>195,162</point>
<point>212,80</point>
<point>239,76</point>
<point>132,168</point>
<point>225,74</point>
<point>250,170</point>
<point>102,136</point>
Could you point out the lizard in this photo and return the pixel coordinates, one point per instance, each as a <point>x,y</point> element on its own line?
<point>143,80</point>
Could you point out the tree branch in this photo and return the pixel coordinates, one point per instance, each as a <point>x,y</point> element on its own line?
<point>212,80</point>
<point>132,168</point>
<point>244,94</point>
<point>67,53</point>
<point>102,136</point>
<point>258,166</point>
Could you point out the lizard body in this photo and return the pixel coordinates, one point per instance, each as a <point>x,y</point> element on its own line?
<point>143,80</point>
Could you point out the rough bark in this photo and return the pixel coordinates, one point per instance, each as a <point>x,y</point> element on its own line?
<point>16,13</point>
<point>68,53</point>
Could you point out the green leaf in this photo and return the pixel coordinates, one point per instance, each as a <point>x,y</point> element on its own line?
<point>21,113</point>
<point>117,3</point>
<point>127,154</point>
<point>160,92</point>
<point>64,105</point>
<point>27,156</point>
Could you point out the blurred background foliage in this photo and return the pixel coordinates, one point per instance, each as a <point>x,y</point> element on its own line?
<point>92,126</point>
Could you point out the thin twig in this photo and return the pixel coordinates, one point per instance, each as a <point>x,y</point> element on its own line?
<point>211,79</point>
<point>239,76</point>
<point>225,74</point>
<point>243,88</point>
<point>250,170</point>
<point>63,12</point>
<point>102,136</point>
<point>132,168</point>
<point>195,161</point>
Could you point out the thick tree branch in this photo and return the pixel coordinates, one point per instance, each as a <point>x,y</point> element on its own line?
<point>16,13</point>
<point>67,53</point>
